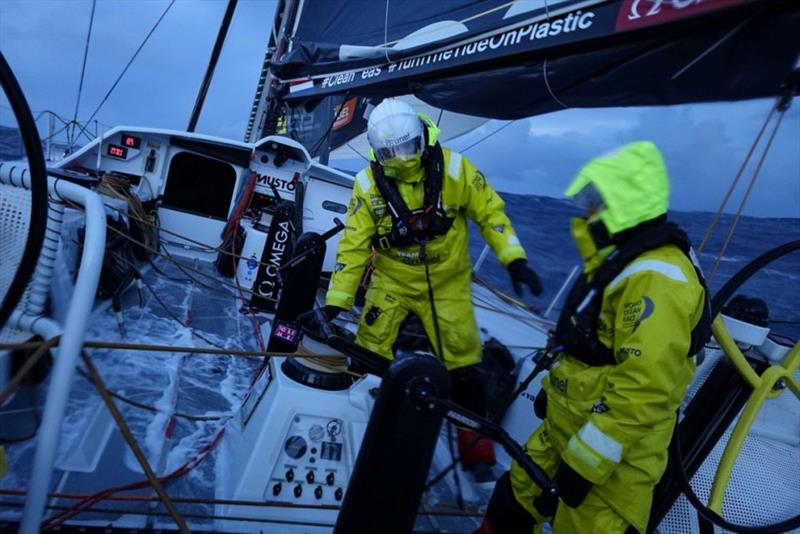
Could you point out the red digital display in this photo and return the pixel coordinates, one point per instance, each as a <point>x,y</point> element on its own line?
<point>131,141</point>
<point>286,332</point>
<point>117,151</point>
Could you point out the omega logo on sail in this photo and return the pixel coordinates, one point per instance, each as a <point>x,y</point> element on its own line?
<point>636,13</point>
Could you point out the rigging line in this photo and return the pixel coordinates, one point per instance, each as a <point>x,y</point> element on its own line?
<point>23,371</point>
<point>200,244</point>
<point>386,34</point>
<point>547,83</point>
<point>443,509</point>
<point>781,114</point>
<point>178,350</point>
<point>152,409</point>
<point>166,254</point>
<point>711,48</point>
<point>733,185</point>
<point>167,309</point>
<point>357,152</point>
<point>184,268</point>
<point>83,70</point>
<point>299,522</point>
<point>51,136</point>
<point>123,427</point>
<point>121,74</point>
<point>318,144</point>
<point>482,139</point>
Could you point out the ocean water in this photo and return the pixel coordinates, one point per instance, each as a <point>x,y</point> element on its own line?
<point>542,224</point>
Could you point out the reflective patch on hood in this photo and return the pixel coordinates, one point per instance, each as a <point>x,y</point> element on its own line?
<point>500,228</point>
<point>339,267</point>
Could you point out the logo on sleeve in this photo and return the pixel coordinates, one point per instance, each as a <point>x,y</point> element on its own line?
<point>479,181</point>
<point>355,205</point>
<point>634,313</point>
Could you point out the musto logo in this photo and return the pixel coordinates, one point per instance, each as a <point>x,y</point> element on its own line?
<point>640,13</point>
<point>265,182</point>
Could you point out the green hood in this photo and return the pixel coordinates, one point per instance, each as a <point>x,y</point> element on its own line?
<point>633,183</point>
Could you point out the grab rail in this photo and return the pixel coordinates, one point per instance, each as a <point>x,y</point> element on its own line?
<point>80,307</point>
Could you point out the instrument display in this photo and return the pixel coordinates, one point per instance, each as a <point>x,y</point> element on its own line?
<point>117,151</point>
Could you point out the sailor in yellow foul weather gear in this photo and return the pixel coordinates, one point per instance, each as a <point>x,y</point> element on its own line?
<point>411,206</point>
<point>626,357</point>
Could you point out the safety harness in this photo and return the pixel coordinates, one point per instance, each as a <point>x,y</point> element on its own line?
<point>410,227</point>
<point>577,325</point>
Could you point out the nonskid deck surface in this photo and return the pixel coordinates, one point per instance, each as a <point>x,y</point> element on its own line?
<point>181,401</point>
<point>202,391</point>
<point>206,390</point>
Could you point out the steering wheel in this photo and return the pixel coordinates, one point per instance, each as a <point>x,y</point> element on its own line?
<point>38,187</point>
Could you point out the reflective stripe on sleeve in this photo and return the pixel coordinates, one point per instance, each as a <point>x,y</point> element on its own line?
<point>363,181</point>
<point>601,443</point>
<point>454,168</point>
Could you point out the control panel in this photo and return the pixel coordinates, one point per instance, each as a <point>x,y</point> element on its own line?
<point>313,467</point>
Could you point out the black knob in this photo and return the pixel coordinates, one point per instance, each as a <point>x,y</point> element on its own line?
<point>290,475</point>
<point>338,494</point>
<point>318,492</point>
<point>310,477</point>
<point>276,489</point>
<point>298,490</point>
<point>329,479</point>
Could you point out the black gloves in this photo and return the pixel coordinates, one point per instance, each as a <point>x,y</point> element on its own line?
<point>330,313</point>
<point>522,274</point>
<point>572,487</point>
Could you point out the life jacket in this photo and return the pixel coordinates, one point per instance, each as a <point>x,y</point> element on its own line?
<point>410,227</point>
<point>576,330</point>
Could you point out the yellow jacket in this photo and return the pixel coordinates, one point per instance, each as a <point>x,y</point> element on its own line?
<point>613,423</point>
<point>465,193</point>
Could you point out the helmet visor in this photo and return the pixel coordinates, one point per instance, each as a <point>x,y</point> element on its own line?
<point>589,200</point>
<point>404,151</point>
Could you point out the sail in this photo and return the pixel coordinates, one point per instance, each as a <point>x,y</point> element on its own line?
<point>343,127</point>
<point>510,60</point>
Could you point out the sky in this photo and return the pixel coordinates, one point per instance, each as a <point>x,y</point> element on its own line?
<point>44,42</point>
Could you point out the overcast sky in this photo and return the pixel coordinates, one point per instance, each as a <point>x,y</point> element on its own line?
<point>44,42</point>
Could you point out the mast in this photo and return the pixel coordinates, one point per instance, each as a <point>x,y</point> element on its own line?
<point>212,64</point>
<point>266,111</point>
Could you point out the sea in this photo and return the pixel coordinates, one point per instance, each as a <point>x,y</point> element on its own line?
<point>542,224</point>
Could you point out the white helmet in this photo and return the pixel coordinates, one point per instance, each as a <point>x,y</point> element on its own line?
<point>395,131</point>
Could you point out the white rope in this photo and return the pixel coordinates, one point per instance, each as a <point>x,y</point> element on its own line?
<point>547,84</point>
